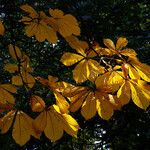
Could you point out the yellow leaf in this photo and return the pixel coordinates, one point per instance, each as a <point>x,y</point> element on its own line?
<point>69,59</point>
<point>77,101</point>
<point>12,68</point>
<point>53,129</point>
<point>61,102</point>
<point>124,94</point>
<point>101,80</point>
<point>57,122</point>
<point>75,43</point>
<point>139,97</point>
<point>109,43</point>
<point>5,96</point>
<point>128,52</point>
<point>28,79</point>
<point>81,72</point>
<point>70,125</point>
<point>56,13</point>
<point>104,108</point>
<point>31,29</point>
<point>72,90</point>
<point>6,121</point>
<point>9,87</point>
<point>28,9</point>
<point>133,73</point>
<point>22,128</point>
<point>115,102</point>
<point>37,103</point>
<point>40,33</point>
<point>17,80</point>
<point>121,42</point>
<point>26,20</point>
<point>70,23</point>
<point>50,35</point>
<point>2,29</point>
<point>67,24</point>
<point>95,69</point>
<point>143,70</point>
<point>109,81</point>
<point>15,52</point>
<point>143,84</point>
<point>88,109</point>
<point>116,77</point>
<point>98,51</point>
<point>39,123</point>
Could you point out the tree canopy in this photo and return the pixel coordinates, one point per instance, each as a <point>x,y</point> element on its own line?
<point>74,68</point>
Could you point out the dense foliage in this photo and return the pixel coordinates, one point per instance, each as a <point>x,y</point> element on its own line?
<point>127,78</point>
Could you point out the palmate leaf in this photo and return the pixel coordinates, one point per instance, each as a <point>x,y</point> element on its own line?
<point>66,24</point>
<point>24,78</point>
<point>77,101</point>
<point>121,43</point>
<point>56,123</point>
<point>95,100</point>
<point>39,29</point>
<point>22,127</point>
<point>87,69</point>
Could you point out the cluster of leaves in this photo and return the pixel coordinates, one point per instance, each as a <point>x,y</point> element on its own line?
<point>105,80</point>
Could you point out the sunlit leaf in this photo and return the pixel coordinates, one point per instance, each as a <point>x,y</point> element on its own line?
<point>69,59</point>
<point>121,42</point>
<point>124,94</point>
<point>89,107</point>
<point>81,71</point>
<point>109,43</point>
<point>139,97</point>
<point>61,102</point>
<point>104,108</point>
